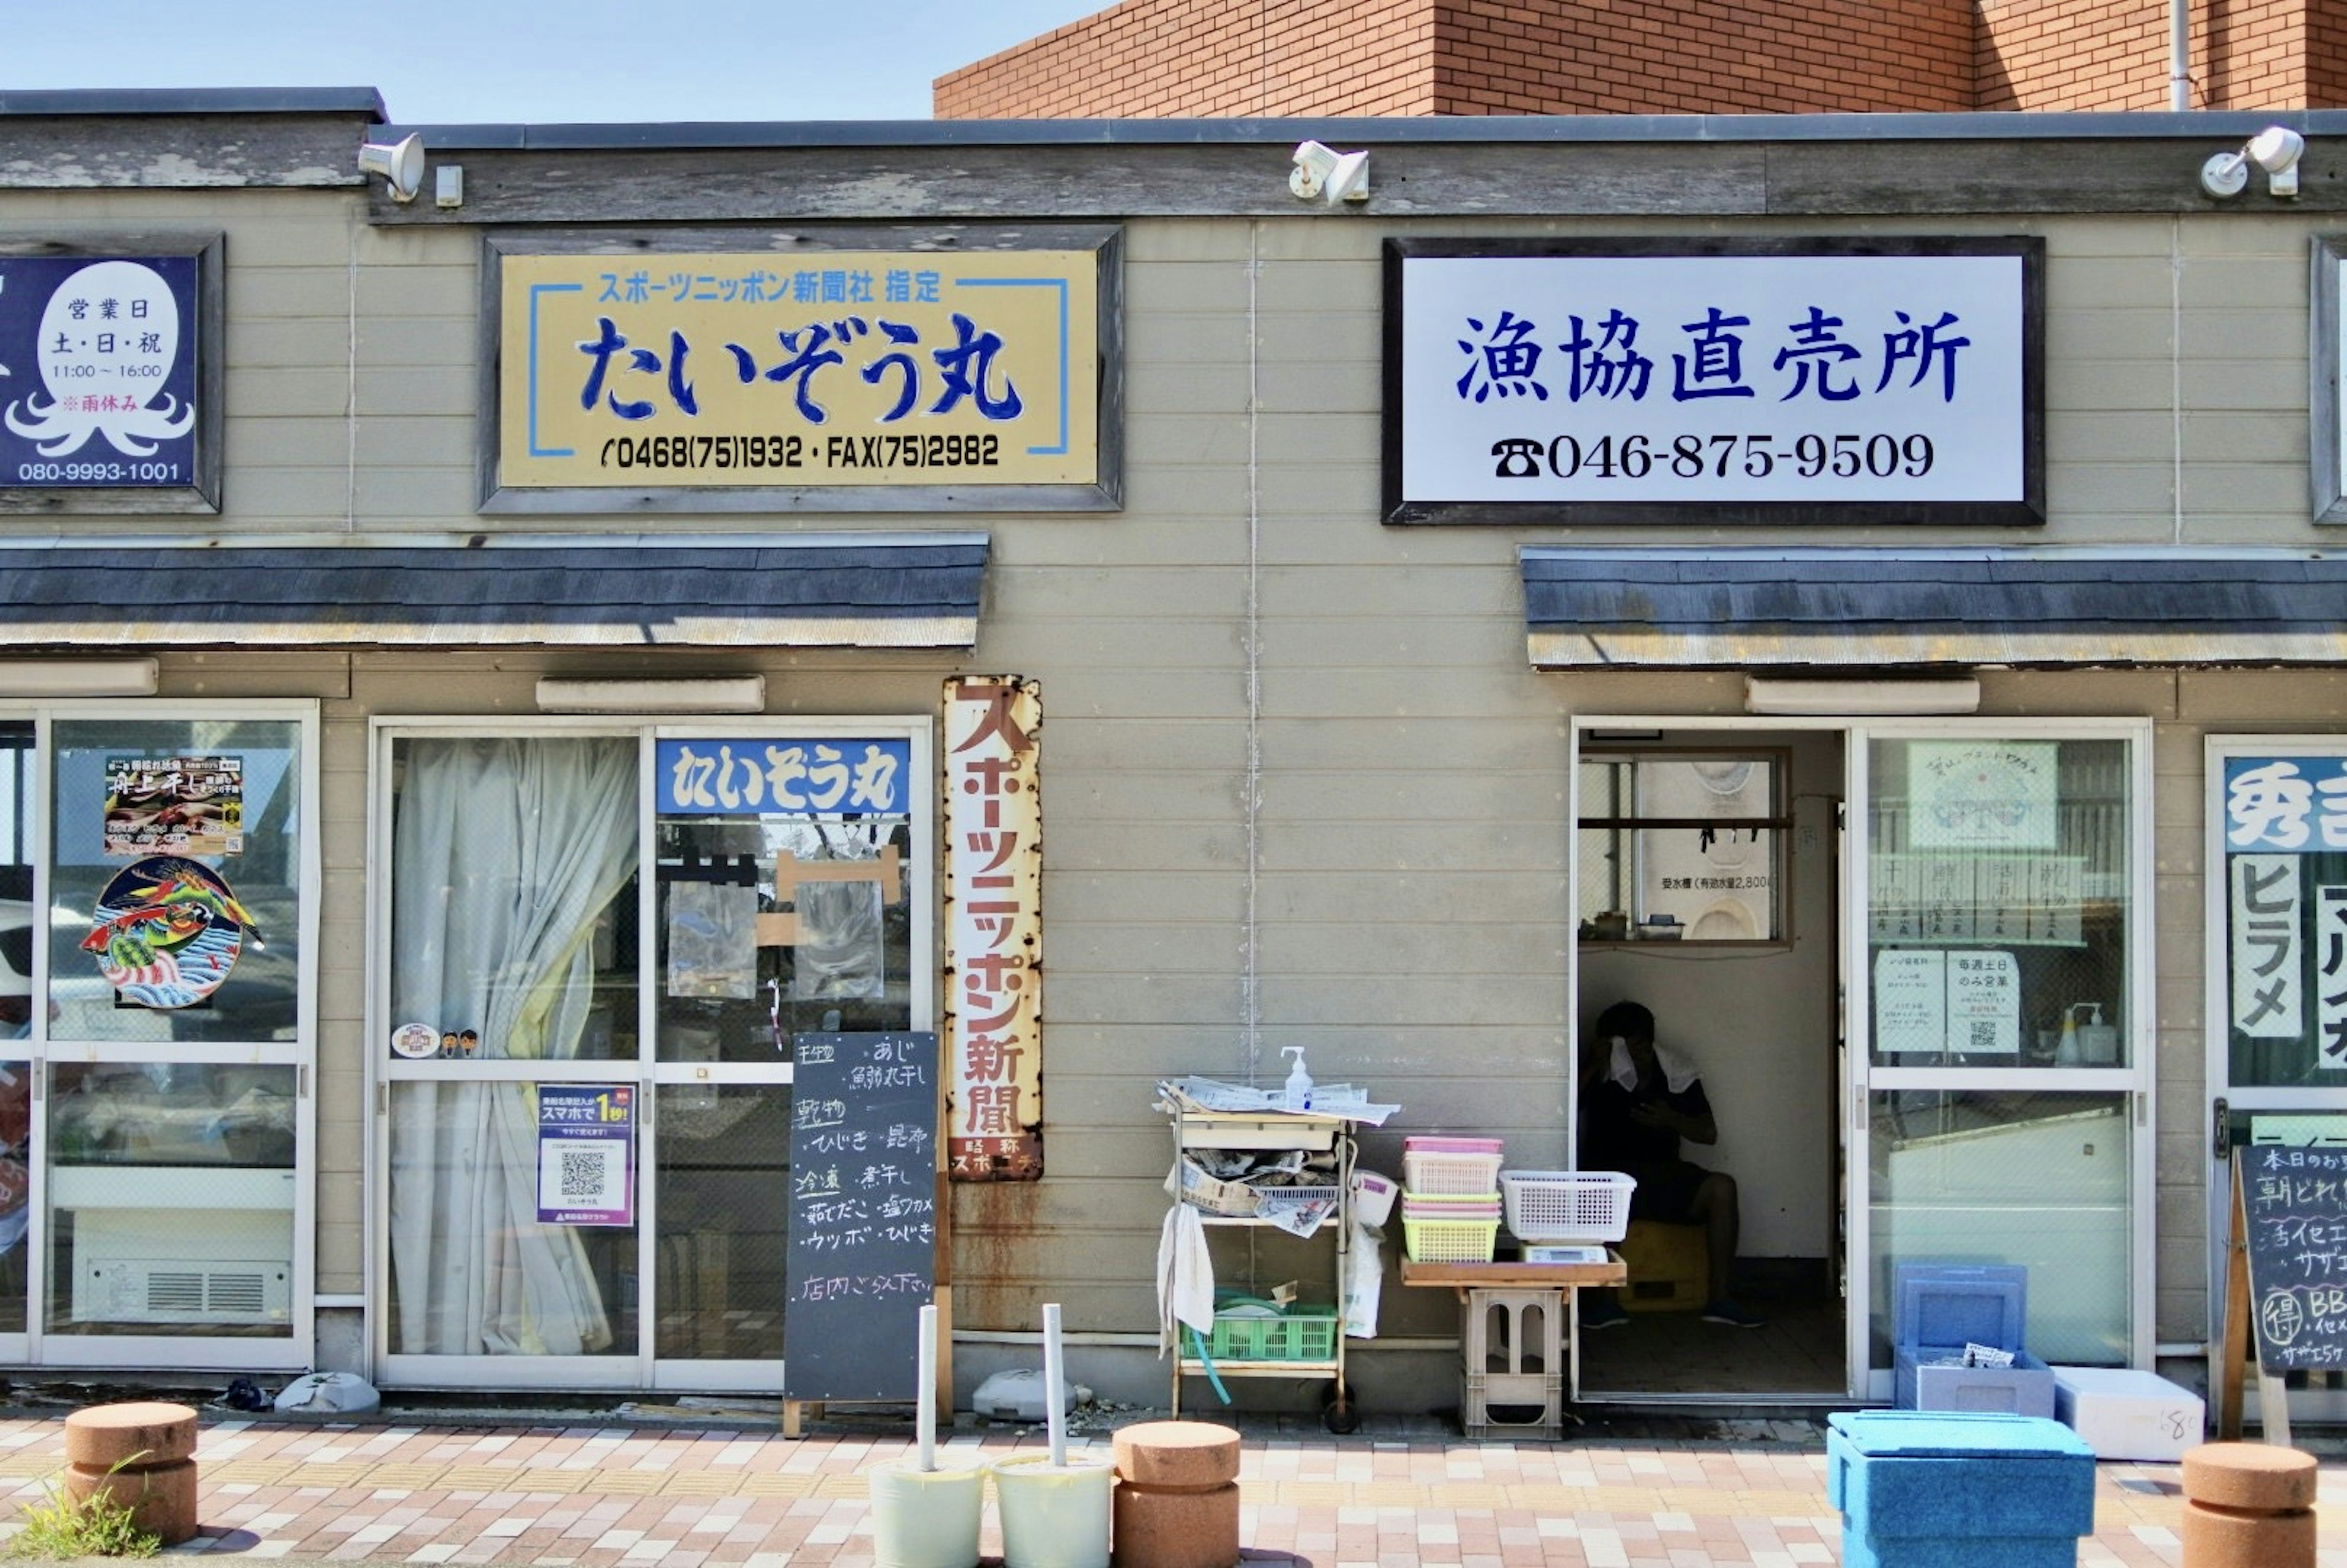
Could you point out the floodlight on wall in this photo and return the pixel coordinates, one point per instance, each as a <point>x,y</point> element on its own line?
<point>1859,698</point>
<point>2276,149</point>
<point>714,694</point>
<point>1334,177</point>
<point>78,678</point>
<point>401,164</point>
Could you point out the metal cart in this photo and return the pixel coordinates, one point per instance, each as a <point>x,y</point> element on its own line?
<point>1277,1132</point>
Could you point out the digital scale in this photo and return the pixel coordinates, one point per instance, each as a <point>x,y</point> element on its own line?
<point>1552,1252</point>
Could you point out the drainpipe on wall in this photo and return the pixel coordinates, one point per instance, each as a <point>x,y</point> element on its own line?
<point>2179,55</point>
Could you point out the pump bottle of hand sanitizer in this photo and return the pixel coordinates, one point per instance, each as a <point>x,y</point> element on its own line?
<point>1299,1082</point>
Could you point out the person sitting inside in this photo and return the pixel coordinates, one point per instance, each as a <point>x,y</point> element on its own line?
<point>1638,1099</point>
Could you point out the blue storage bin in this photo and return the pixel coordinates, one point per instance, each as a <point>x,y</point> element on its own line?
<point>1927,1490</point>
<point>1942,1306</point>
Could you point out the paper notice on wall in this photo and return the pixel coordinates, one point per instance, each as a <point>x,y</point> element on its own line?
<point>1910,1003</point>
<point>2266,919</point>
<point>1984,1004</point>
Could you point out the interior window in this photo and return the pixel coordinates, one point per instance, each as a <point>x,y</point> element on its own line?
<point>1683,846</point>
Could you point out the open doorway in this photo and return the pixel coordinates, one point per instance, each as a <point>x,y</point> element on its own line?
<point>1707,879</point>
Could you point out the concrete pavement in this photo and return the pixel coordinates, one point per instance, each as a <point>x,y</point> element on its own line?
<point>1623,1494</point>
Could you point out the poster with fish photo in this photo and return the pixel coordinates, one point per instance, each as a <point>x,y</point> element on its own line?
<point>174,805</point>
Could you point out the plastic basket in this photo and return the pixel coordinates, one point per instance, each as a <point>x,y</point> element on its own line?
<point>1449,1241</point>
<point>1566,1205</point>
<point>1463,1175</point>
<point>1310,1338</point>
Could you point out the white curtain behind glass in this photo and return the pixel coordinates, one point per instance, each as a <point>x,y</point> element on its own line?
<point>504,853</point>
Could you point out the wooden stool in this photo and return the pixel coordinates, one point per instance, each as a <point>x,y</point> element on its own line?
<point>1176,1503</point>
<point>1669,1267</point>
<point>2248,1505</point>
<point>141,1455</point>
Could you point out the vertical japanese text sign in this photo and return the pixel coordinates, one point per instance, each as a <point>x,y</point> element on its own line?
<point>994,932</point>
<point>2285,842</point>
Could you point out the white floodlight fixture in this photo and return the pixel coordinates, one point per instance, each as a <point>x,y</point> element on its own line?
<point>1765,694</point>
<point>706,694</point>
<point>2276,149</point>
<point>401,164</point>
<point>78,678</point>
<point>1335,177</point>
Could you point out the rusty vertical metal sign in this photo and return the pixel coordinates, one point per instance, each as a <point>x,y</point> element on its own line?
<point>994,927</point>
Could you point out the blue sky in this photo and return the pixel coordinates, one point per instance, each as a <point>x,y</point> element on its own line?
<point>462,61</point>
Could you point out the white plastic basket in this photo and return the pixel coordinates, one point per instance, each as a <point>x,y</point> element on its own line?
<point>1457,1176</point>
<point>1566,1205</point>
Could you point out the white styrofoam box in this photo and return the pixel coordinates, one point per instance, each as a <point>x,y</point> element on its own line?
<point>1373,1196</point>
<point>2125,1414</point>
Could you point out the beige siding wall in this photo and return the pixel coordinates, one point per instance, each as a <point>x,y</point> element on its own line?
<point>1301,787</point>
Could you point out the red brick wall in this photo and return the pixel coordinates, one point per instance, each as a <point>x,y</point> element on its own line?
<point>2113,55</point>
<point>1202,58</point>
<point>1228,57</point>
<point>1693,57</point>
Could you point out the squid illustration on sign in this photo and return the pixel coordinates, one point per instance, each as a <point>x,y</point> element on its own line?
<point>167,932</point>
<point>109,336</point>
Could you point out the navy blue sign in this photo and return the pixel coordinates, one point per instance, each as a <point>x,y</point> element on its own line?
<point>98,371</point>
<point>785,777</point>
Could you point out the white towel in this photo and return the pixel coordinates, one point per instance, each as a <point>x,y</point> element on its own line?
<point>1677,1071</point>
<point>1185,1278</point>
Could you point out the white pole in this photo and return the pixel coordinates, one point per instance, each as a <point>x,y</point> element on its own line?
<point>2179,55</point>
<point>927,1419</point>
<point>1055,1383</point>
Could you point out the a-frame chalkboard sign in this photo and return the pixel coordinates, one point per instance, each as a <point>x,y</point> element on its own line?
<point>864,1220</point>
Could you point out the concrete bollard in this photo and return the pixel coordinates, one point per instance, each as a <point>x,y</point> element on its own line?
<point>2248,1505</point>
<point>1177,1495</point>
<point>140,1454</point>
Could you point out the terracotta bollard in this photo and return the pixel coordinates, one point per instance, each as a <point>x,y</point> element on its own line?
<point>2248,1505</point>
<point>1176,1503</point>
<point>140,1454</point>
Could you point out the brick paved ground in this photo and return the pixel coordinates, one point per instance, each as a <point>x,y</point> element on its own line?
<point>1751,1493</point>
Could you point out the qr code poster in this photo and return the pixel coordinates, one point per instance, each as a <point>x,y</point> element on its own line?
<point>586,1153</point>
<point>174,805</point>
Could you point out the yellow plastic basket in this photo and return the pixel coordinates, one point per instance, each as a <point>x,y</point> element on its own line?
<point>1449,1241</point>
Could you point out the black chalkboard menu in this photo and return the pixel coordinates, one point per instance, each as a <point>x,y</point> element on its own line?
<point>864,1222</point>
<point>2296,1201</point>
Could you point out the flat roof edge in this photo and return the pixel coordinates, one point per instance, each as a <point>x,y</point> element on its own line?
<point>1398,130</point>
<point>158,101</point>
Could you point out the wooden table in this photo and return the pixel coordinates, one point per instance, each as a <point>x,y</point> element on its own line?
<point>1559,1280</point>
<point>1516,1275</point>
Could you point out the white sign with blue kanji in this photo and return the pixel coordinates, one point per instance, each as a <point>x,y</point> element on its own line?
<point>1709,379</point>
<point>723,776</point>
<point>2295,804</point>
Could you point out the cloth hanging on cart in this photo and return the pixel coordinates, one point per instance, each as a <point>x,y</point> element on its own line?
<point>1185,1278</point>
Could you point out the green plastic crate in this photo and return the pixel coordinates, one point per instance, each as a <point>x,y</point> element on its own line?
<point>1303,1336</point>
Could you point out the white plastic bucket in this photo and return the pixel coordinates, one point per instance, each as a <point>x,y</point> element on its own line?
<point>925,1519</point>
<point>1054,1516</point>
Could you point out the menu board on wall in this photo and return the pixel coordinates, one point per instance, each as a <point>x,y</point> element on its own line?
<point>863,1213</point>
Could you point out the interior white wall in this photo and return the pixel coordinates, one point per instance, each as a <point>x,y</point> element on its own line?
<point>1758,1021</point>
